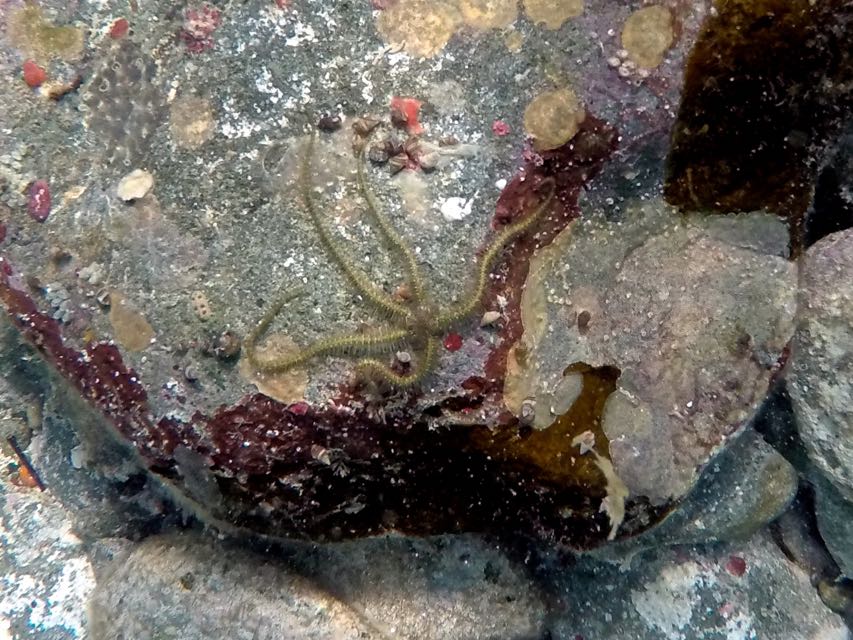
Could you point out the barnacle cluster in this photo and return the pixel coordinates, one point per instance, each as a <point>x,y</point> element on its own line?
<point>418,322</point>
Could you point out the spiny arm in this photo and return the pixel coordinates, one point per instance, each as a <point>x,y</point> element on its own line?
<point>490,256</point>
<point>376,370</point>
<point>394,240</point>
<point>338,345</point>
<point>359,280</point>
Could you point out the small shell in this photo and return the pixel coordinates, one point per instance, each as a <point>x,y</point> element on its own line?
<point>412,146</point>
<point>190,373</point>
<point>329,123</point>
<point>135,185</point>
<point>404,357</point>
<point>226,345</point>
<point>378,153</point>
<point>399,118</point>
<point>490,318</point>
<point>398,163</point>
<point>528,411</point>
<point>363,126</point>
<point>103,298</point>
<point>429,161</point>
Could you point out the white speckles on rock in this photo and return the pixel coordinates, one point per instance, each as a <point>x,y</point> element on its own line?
<point>135,185</point>
<point>821,379</point>
<point>456,208</point>
<point>302,34</point>
<point>43,563</point>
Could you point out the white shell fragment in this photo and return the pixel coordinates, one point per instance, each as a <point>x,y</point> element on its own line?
<point>489,318</point>
<point>455,209</point>
<point>135,185</point>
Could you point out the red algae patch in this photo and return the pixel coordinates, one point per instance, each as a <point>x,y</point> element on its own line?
<point>34,75</point>
<point>38,200</point>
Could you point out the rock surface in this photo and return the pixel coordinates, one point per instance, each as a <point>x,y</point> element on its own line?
<point>385,588</point>
<point>729,592</point>
<point>692,313</point>
<point>821,370</point>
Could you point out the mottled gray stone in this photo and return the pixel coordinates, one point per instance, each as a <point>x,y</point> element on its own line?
<point>747,485</point>
<point>190,587</point>
<point>835,521</point>
<point>45,573</point>
<point>821,371</point>
<point>695,593</point>
<point>691,313</point>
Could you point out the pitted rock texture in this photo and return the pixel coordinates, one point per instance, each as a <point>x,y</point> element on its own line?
<point>370,590</point>
<point>821,375</point>
<point>693,315</point>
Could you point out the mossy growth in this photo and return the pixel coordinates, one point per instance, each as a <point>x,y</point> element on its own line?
<point>41,40</point>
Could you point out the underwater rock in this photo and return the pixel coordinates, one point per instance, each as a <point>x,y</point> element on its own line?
<point>688,326</point>
<point>384,588</point>
<point>746,486</point>
<point>820,379</point>
<point>357,465</point>
<point>774,76</point>
<point>835,521</point>
<point>714,592</point>
<point>205,593</point>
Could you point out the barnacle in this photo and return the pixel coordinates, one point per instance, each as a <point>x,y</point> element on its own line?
<point>418,323</point>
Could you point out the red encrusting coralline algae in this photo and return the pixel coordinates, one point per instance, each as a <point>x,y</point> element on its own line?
<point>34,75</point>
<point>38,200</point>
<point>405,113</point>
<point>199,25</point>
<point>453,342</point>
<point>119,29</point>
<point>500,128</point>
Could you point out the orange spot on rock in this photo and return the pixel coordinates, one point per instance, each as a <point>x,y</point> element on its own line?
<point>119,29</point>
<point>453,342</point>
<point>34,75</point>
<point>736,566</point>
<point>405,112</point>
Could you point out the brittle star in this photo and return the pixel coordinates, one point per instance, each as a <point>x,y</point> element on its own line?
<point>418,322</point>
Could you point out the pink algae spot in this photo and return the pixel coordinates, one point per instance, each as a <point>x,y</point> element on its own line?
<point>199,25</point>
<point>405,112</point>
<point>500,128</point>
<point>736,566</point>
<point>453,342</point>
<point>119,29</point>
<point>282,4</point>
<point>34,75</point>
<point>38,200</point>
<point>299,408</point>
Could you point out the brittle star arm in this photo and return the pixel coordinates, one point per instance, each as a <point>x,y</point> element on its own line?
<point>342,344</point>
<point>394,240</point>
<point>374,369</point>
<point>509,233</point>
<point>359,280</point>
